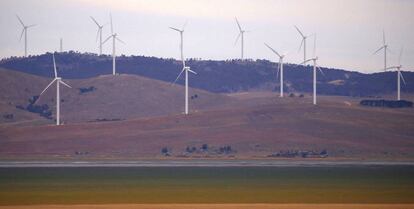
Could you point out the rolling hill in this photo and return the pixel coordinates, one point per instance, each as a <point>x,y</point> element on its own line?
<point>215,76</point>
<point>99,99</point>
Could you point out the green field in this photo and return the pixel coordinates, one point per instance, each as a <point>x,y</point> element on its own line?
<point>104,185</point>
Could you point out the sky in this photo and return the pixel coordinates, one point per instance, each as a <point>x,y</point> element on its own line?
<point>348,31</point>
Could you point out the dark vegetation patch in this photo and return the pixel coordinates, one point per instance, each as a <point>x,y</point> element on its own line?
<point>8,116</point>
<point>300,154</point>
<point>106,119</point>
<point>86,89</point>
<point>203,150</point>
<point>43,110</point>
<point>387,103</point>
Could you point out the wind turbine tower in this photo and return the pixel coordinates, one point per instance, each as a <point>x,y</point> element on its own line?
<point>24,31</point>
<point>315,66</point>
<point>58,81</point>
<point>385,47</point>
<point>98,34</point>
<point>115,38</point>
<point>399,75</point>
<point>185,69</point>
<point>279,67</point>
<point>61,45</point>
<point>241,35</point>
<point>303,42</point>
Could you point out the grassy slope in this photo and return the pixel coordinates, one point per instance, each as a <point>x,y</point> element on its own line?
<point>255,127</point>
<point>119,97</point>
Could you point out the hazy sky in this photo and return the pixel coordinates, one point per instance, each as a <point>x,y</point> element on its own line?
<point>348,32</point>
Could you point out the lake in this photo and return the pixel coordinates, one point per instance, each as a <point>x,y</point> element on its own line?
<point>206,184</point>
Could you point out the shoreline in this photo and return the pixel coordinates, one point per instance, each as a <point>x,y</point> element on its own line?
<point>216,206</point>
<point>199,163</point>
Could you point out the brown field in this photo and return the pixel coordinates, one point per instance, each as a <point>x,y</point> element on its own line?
<point>218,206</point>
<point>254,124</point>
<point>260,125</point>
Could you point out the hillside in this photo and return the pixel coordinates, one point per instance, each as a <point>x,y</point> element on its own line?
<point>338,126</point>
<point>101,98</point>
<point>216,76</point>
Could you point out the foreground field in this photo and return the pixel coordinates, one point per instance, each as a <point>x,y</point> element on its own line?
<point>207,185</point>
<point>218,206</point>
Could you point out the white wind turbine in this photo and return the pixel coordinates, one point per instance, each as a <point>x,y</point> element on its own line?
<point>58,82</point>
<point>241,34</point>
<point>303,42</point>
<point>24,31</point>
<point>114,39</point>
<point>279,67</point>
<point>185,69</point>
<point>315,66</point>
<point>385,47</point>
<point>399,75</point>
<point>98,34</point>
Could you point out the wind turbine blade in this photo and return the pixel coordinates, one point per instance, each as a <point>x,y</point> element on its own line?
<point>390,68</point>
<point>96,22</point>
<point>185,24</point>
<point>54,65</point>
<point>238,24</point>
<point>237,39</point>
<point>65,84</point>
<point>300,32</point>
<point>20,20</point>
<point>314,46</point>
<point>278,69</point>
<point>274,51</point>
<point>317,66</point>
<point>119,40</point>
<point>48,86</point>
<point>179,75</point>
<point>106,39</point>
<point>305,61</point>
<point>29,26</point>
<point>112,27</point>
<point>399,57</point>
<point>21,35</point>
<point>301,43</point>
<point>383,37</point>
<point>175,29</point>
<point>191,71</point>
<point>378,50</point>
<point>402,77</point>
<point>97,34</point>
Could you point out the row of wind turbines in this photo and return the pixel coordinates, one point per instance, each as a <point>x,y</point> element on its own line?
<point>186,69</point>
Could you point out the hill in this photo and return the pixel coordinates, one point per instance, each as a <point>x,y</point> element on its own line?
<point>100,98</point>
<point>338,127</point>
<point>216,76</point>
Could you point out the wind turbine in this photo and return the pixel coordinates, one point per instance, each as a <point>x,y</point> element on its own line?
<point>24,31</point>
<point>114,39</point>
<point>385,47</point>
<point>181,41</point>
<point>279,67</point>
<point>303,42</point>
<point>58,82</point>
<point>98,34</point>
<point>185,69</point>
<point>241,34</point>
<point>399,75</point>
<point>315,65</point>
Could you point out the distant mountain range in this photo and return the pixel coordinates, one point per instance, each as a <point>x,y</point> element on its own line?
<point>215,76</point>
